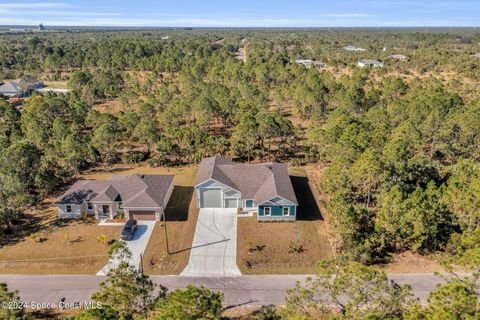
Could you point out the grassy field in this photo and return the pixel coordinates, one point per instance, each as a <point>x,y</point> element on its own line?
<point>71,246</point>
<point>56,84</point>
<point>61,247</point>
<point>269,242</point>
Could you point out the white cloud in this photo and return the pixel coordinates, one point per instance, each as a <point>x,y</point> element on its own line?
<point>59,13</point>
<point>32,5</point>
<point>349,15</point>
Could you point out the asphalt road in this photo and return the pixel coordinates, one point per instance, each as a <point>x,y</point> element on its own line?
<point>238,290</point>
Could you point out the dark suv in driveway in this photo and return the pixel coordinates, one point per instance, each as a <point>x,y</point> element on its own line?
<point>129,230</point>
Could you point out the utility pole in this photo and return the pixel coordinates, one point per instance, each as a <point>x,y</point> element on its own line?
<point>165,228</point>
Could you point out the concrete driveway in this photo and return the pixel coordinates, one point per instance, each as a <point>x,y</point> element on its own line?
<point>136,246</point>
<point>214,248</point>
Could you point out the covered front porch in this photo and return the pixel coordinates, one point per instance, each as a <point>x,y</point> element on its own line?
<point>107,210</point>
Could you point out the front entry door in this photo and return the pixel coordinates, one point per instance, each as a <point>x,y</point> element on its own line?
<point>106,209</point>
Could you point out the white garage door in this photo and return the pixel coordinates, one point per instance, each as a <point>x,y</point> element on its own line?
<point>231,203</point>
<point>210,198</point>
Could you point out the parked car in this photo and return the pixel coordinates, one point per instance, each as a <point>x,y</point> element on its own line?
<point>129,230</point>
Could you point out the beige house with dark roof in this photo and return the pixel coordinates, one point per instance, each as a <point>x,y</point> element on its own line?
<point>265,188</point>
<point>137,196</point>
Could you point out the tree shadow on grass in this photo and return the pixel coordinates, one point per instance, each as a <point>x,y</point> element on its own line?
<point>308,209</point>
<point>27,224</point>
<point>23,226</point>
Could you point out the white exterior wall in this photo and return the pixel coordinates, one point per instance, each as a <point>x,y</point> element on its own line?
<point>77,210</point>
<point>227,191</point>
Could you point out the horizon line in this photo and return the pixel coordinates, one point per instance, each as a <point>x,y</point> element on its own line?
<point>237,27</point>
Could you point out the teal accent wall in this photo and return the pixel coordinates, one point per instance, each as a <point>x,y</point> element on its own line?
<point>249,203</point>
<point>277,210</point>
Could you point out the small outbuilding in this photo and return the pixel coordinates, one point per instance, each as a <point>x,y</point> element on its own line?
<point>398,57</point>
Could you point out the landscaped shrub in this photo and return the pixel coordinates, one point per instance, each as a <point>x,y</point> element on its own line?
<point>120,215</point>
<point>102,239</point>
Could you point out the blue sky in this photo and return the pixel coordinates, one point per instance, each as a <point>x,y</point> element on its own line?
<point>242,13</point>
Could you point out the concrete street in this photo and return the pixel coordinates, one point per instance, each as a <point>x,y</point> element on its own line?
<point>238,290</point>
<point>214,247</point>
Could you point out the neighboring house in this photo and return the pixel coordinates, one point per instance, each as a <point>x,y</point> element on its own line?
<point>308,63</point>
<point>265,188</point>
<point>399,57</point>
<point>370,63</point>
<point>12,89</point>
<point>353,48</point>
<point>138,196</point>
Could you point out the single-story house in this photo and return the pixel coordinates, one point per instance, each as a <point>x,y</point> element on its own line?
<point>137,196</point>
<point>12,89</point>
<point>370,63</point>
<point>353,48</point>
<point>265,188</point>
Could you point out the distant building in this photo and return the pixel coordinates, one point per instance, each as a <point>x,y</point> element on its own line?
<point>353,48</point>
<point>399,57</point>
<point>41,27</point>
<point>370,63</point>
<point>241,54</point>
<point>12,89</point>
<point>165,38</point>
<point>308,63</point>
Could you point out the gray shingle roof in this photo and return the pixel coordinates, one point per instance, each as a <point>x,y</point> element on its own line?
<point>261,182</point>
<point>10,88</point>
<point>134,190</point>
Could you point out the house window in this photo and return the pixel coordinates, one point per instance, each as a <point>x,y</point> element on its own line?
<point>267,211</point>
<point>250,203</point>
<point>120,204</point>
<point>68,208</point>
<point>89,206</point>
<point>286,211</point>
